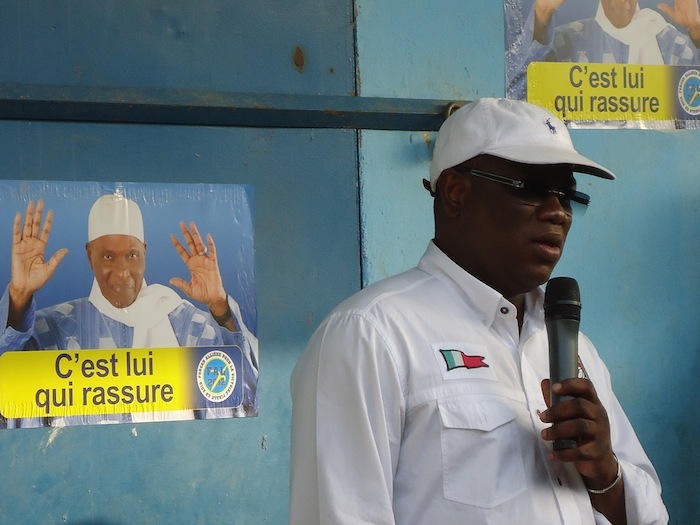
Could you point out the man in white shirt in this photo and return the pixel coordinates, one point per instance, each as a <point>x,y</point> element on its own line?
<point>420,399</point>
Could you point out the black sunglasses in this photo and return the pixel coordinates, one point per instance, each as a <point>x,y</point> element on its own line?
<point>534,194</point>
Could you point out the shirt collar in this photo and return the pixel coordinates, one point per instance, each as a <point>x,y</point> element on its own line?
<point>481,298</point>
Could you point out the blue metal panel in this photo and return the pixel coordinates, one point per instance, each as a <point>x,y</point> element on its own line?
<point>307,239</point>
<point>307,260</point>
<point>296,46</point>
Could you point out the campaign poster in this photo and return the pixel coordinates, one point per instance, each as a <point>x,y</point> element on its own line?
<point>605,63</point>
<point>126,302</point>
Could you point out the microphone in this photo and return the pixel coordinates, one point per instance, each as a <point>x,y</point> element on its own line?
<point>562,315</point>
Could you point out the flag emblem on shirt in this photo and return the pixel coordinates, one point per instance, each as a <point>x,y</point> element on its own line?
<point>582,374</point>
<point>458,359</point>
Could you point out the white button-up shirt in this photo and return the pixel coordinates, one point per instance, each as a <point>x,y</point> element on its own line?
<point>416,402</point>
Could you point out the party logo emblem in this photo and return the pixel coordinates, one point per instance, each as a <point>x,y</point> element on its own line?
<point>216,376</point>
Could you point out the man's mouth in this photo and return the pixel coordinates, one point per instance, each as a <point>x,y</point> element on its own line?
<point>550,246</point>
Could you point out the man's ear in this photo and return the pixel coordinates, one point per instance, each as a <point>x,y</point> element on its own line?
<point>88,252</point>
<point>454,189</point>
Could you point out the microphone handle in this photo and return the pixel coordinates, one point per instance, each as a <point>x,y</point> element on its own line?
<point>563,362</point>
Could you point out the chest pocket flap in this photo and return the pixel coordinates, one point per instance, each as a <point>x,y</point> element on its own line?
<point>475,412</point>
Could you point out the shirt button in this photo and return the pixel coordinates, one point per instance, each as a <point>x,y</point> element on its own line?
<point>504,310</point>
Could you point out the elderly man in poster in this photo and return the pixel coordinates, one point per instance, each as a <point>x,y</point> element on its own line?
<point>620,33</point>
<point>122,311</point>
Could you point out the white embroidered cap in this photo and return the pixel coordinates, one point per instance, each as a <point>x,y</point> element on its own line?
<point>114,214</point>
<point>511,129</point>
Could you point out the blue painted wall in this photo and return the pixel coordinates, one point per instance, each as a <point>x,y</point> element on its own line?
<point>306,236</point>
<point>634,253</point>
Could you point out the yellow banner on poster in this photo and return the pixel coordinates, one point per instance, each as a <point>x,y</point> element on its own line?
<point>95,382</point>
<point>603,92</point>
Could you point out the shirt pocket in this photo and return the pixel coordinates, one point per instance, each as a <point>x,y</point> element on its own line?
<point>482,461</point>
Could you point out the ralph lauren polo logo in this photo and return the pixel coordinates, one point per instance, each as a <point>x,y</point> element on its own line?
<point>551,127</point>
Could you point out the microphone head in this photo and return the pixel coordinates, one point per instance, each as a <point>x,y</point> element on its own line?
<point>562,299</point>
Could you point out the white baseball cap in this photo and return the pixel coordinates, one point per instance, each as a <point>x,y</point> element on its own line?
<point>114,214</point>
<point>511,129</point>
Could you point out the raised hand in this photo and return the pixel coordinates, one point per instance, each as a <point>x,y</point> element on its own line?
<point>29,269</point>
<point>685,13</point>
<point>551,5</point>
<point>544,11</point>
<point>205,285</point>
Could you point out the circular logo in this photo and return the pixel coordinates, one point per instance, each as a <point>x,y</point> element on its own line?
<point>689,92</point>
<point>216,376</point>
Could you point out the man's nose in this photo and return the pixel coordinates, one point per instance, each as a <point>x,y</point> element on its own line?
<point>553,209</point>
<point>122,267</point>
